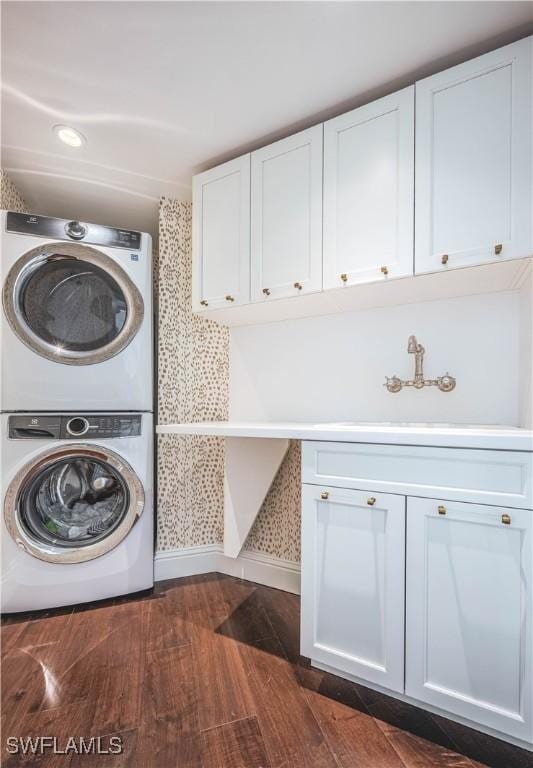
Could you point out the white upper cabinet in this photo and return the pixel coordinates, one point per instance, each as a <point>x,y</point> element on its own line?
<point>474,135</point>
<point>469,611</point>
<point>369,192</point>
<point>287,217</point>
<point>353,560</point>
<point>221,235</point>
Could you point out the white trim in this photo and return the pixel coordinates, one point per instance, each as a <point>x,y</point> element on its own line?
<point>189,561</point>
<point>250,565</point>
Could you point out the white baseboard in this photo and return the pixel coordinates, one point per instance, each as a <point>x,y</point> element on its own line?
<point>209,558</point>
<point>190,561</point>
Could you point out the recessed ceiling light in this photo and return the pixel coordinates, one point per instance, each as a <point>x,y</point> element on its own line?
<point>69,136</point>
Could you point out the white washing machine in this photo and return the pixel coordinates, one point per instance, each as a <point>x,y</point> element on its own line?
<point>76,325</point>
<point>77,495</point>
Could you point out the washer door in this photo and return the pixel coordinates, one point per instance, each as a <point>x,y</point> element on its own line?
<point>73,504</point>
<point>72,304</point>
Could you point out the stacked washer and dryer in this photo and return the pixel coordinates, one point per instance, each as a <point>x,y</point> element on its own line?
<point>76,449</point>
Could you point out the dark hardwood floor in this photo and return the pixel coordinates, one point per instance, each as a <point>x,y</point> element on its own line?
<point>205,673</point>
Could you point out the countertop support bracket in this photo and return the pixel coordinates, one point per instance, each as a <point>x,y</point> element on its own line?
<point>251,466</point>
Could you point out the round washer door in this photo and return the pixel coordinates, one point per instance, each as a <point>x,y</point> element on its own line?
<point>73,503</point>
<point>72,304</point>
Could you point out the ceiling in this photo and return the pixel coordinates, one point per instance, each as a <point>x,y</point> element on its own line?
<point>161,90</point>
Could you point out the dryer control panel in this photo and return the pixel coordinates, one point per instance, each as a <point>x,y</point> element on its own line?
<point>63,229</point>
<point>74,426</point>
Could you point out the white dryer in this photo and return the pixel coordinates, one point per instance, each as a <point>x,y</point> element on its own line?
<point>77,495</point>
<point>76,325</point>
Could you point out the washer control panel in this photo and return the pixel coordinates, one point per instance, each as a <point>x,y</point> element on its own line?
<point>73,426</point>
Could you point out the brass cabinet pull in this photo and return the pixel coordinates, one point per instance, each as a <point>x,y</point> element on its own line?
<point>385,270</point>
<point>498,249</point>
<point>506,519</point>
<point>324,495</point>
<point>203,303</point>
<point>442,510</point>
<point>298,285</point>
<point>344,277</point>
<point>229,298</point>
<point>266,291</point>
<point>371,501</point>
<point>444,259</point>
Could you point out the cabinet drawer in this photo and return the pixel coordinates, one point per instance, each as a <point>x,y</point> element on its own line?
<point>502,478</point>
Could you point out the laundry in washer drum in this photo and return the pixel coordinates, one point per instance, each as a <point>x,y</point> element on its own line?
<point>74,502</point>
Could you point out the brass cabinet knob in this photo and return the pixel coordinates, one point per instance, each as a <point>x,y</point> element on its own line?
<point>298,285</point>
<point>324,495</point>
<point>203,303</point>
<point>498,249</point>
<point>444,259</point>
<point>441,510</point>
<point>385,270</point>
<point>266,291</point>
<point>344,277</point>
<point>506,519</point>
<point>371,501</point>
<point>229,298</point>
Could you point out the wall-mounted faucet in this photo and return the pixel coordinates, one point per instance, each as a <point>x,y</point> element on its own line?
<point>394,384</point>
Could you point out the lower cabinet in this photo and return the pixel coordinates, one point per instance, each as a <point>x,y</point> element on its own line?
<point>353,568</point>
<point>469,646</point>
<point>460,573</point>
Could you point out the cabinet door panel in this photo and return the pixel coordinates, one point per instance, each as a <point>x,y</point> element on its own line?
<point>353,583</point>
<point>287,216</point>
<point>369,191</point>
<point>474,136</point>
<point>469,611</point>
<point>221,235</point>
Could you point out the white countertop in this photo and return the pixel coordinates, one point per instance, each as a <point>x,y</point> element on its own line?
<point>390,433</point>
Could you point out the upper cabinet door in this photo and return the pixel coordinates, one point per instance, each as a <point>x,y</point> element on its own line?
<point>369,192</point>
<point>474,136</point>
<point>287,217</point>
<point>221,235</point>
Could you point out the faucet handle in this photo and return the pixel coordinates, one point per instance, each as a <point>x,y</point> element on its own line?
<point>393,384</point>
<point>446,383</point>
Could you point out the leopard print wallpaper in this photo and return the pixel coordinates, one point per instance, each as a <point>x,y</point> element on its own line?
<point>193,386</point>
<point>10,197</point>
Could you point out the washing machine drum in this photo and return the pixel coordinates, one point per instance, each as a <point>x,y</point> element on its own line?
<point>73,504</point>
<point>72,304</point>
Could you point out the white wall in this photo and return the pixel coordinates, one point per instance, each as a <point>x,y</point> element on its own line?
<point>333,368</point>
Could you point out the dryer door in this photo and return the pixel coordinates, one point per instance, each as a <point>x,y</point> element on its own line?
<point>73,503</point>
<point>72,304</point>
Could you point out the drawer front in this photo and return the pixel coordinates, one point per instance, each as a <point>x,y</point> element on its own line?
<point>501,478</point>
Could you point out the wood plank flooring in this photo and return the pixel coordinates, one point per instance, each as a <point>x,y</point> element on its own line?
<point>205,672</point>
